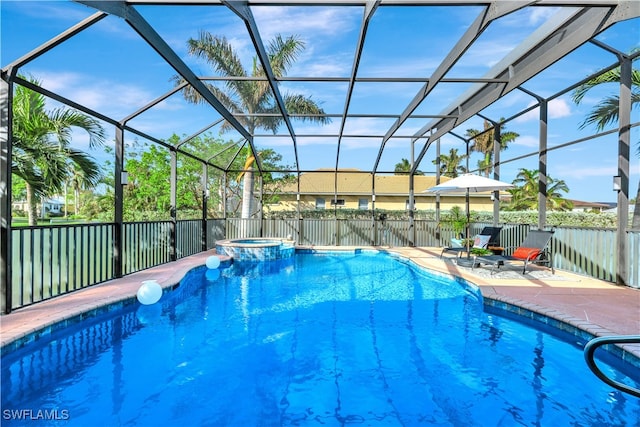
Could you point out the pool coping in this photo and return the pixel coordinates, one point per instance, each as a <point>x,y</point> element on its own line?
<point>30,323</point>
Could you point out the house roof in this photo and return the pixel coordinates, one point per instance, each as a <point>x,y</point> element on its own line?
<point>355,182</point>
<point>583,204</point>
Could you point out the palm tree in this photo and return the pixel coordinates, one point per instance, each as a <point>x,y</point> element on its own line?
<point>403,167</point>
<point>42,156</point>
<point>451,165</point>
<point>525,194</point>
<point>607,112</point>
<point>251,97</point>
<point>80,181</point>
<point>483,143</point>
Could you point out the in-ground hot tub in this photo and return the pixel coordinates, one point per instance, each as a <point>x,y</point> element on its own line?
<point>256,248</point>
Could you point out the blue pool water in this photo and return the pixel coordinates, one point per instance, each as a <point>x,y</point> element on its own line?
<point>317,339</point>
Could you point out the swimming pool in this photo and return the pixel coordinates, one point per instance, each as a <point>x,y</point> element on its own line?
<point>316,339</point>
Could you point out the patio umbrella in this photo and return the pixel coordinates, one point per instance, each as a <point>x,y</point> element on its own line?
<point>469,183</point>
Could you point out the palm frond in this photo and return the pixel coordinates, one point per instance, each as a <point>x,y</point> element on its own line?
<point>611,76</point>
<point>63,120</point>
<point>89,171</point>
<point>218,52</point>
<point>283,53</point>
<point>607,111</point>
<point>251,97</point>
<point>300,104</point>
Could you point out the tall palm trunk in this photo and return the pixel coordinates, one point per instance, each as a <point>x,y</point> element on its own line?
<point>32,204</point>
<point>247,201</point>
<point>76,200</point>
<point>247,194</point>
<point>221,196</point>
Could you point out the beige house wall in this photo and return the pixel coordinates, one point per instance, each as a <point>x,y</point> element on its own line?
<point>478,203</point>
<point>392,193</point>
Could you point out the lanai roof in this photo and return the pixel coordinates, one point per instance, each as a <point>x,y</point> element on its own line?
<point>406,127</point>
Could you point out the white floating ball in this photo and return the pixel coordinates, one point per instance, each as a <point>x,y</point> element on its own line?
<point>149,292</point>
<point>213,262</point>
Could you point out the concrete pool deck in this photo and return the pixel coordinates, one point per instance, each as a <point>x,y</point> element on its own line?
<point>595,306</point>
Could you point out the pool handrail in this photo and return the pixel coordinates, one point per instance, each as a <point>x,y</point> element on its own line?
<point>589,350</point>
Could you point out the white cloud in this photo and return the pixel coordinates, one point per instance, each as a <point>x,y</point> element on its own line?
<point>486,53</point>
<point>98,94</point>
<point>326,67</point>
<point>272,20</point>
<point>541,14</point>
<point>527,141</point>
<point>594,171</point>
<point>557,108</point>
<point>586,172</point>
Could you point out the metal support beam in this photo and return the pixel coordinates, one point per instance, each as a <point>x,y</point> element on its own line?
<point>624,136</point>
<point>298,175</point>
<point>225,179</point>
<point>411,233</point>
<point>368,13</point>
<point>494,11</point>
<point>154,102</point>
<point>412,229</point>
<point>438,165</point>
<point>543,104</point>
<point>146,31</point>
<point>567,31</point>
<point>59,39</point>
<point>205,200</point>
<point>542,164</point>
<point>118,200</point>
<point>497,147</point>
<point>173,191</point>
<point>242,9</point>
<point>374,239</point>
<point>6,121</point>
<point>63,100</point>
<point>109,120</point>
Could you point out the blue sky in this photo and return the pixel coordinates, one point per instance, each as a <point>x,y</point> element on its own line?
<point>110,69</point>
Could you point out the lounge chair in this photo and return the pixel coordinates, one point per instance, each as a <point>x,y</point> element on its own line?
<point>532,250</point>
<point>489,236</point>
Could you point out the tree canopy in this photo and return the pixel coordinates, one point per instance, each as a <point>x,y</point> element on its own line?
<point>42,155</point>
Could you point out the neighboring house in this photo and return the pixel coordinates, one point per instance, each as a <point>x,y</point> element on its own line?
<point>354,189</point>
<point>582,206</point>
<point>54,206</point>
<point>19,205</point>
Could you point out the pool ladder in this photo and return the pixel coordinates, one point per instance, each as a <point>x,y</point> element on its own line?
<point>590,349</point>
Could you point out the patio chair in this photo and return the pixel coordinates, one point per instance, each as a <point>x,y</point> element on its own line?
<point>489,236</point>
<point>532,250</point>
